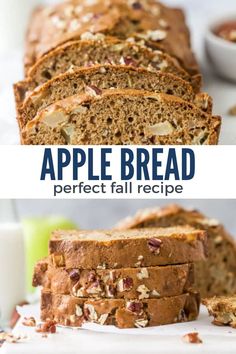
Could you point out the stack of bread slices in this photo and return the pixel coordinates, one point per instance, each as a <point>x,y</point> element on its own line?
<point>112,72</point>
<point>132,278</point>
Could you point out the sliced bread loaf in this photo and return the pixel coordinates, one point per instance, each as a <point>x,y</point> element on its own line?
<point>112,249</point>
<point>71,311</point>
<point>216,276</point>
<point>105,77</point>
<point>127,283</point>
<point>125,117</point>
<point>98,49</point>
<point>223,309</point>
<point>154,23</point>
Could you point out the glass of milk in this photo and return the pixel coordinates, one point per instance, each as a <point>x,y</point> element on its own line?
<point>14,17</point>
<point>12,262</point>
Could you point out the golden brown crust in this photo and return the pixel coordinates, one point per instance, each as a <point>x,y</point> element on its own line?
<point>70,311</point>
<point>150,247</point>
<point>127,283</point>
<point>216,276</point>
<point>152,22</point>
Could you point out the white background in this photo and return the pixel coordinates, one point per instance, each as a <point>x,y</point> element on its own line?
<point>19,178</point>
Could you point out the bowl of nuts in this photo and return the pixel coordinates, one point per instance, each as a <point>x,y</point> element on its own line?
<point>220,43</point>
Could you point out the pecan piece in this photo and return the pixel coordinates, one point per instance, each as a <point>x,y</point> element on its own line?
<point>92,277</point>
<point>74,275</point>
<point>93,90</point>
<point>135,307</point>
<point>192,338</point>
<point>141,323</point>
<point>29,322</point>
<point>125,284</point>
<point>154,245</point>
<point>128,61</point>
<point>47,327</point>
<point>137,5</point>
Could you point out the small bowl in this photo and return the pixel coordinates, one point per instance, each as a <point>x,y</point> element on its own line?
<point>221,53</point>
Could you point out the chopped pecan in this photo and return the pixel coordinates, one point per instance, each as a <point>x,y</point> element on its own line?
<point>143,274</point>
<point>135,307</point>
<point>92,277</point>
<point>93,90</point>
<point>137,5</point>
<point>141,323</point>
<point>74,275</point>
<point>192,338</point>
<point>144,292</point>
<point>29,322</point>
<point>154,245</point>
<point>103,318</point>
<point>125,284</point>
<point>47,327</point>
<point>90,313</point>
<point>94,288</point>
<point>111,290</point>
<point>128,61</point>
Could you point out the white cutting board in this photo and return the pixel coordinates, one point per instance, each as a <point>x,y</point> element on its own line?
<point>97,339</point>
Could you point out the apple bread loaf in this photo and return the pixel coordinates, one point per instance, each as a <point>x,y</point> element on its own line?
<point>105,77</point>
<point>223,309</point>
<point>145,118</point>
<point>111,249</point>
<point>216,276</point>
<point>98,49</point>
<point>127,283</point>
<point>71,311</point>
<point>145,20</point>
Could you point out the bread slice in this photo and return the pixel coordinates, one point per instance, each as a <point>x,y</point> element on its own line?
<point>121,117</point>
<point>103,50</point>
<point>223,309</point>
<point>71,311</point>
<point>216,276</point>
<point>105,77</point>
<point>111,249</point>
<point>153,23</point>
<point>125,283</point>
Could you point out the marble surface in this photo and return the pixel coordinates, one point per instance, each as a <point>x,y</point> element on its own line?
<point>199,14</point>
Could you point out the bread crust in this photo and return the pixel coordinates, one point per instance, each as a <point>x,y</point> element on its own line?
<point>124,283</point>
<point>55,25</point>
<point>71,311</point>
